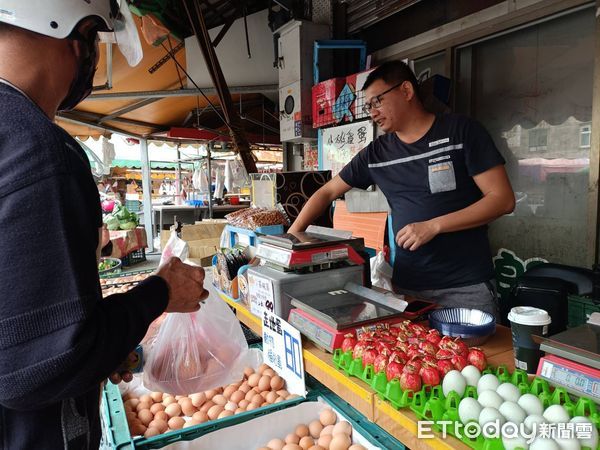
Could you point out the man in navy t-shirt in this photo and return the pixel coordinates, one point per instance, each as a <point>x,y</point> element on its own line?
<point>444,180</point>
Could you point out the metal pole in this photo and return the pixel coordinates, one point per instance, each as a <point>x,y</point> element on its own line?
<point>178,174</point>
<point>147,193</point>
<point>210,202</point>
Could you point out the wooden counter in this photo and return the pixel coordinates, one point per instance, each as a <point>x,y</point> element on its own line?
<point>402,424</point>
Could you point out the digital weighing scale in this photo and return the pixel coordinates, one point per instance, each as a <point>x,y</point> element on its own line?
<point>572,359</point>
<point>326,317</point>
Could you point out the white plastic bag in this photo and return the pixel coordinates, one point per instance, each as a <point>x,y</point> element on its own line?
<point>197,351</point>
<point>381,272</point>
<point>174,247</point>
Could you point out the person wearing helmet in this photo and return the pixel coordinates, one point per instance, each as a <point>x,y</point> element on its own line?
<point>58,338</point>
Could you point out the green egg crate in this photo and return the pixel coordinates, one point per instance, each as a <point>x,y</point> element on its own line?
<point>434,406</point>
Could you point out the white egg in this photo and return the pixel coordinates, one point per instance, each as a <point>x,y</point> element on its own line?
<point>487,382</point>
<point>544,444</point>
<point>469,409</point>
<point>509,392</point>
<point>592,441</point>
<point>531,404</point>
<point>568,443</point>
<point>556,414</point>
<point>491,415</point>
<point>471,374</point>
<point>490,399</point>
<point>533,419</point>
<point>515,442</point>
<point>454,381</point>
<point>513,412</point>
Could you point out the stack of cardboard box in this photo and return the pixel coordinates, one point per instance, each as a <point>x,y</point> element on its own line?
<point>203,239</point>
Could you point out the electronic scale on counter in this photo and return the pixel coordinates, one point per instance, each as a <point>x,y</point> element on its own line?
<point>306,263</point>
<point>326,317</point>
<point>572,359</point>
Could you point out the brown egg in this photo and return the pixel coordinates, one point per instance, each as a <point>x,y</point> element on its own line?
<point>225,413</point>
<point>269,372</point>
<point>176,423</point>
<point>245,387</point>
<point>239,410</point>
<point>219,399</point>
<point>264,383</point>
<point>283,393</point>
<point>146,398</point>
<point>262,368</point>
<point>315,428</point>
<point>279,399</point>
<point>126,397</point>
<point>157,407</point>
<point>168,401</point>
<point>302,430</point>
<point>145,416</point>
<point>130,415</point>
<point>250,395</point>
<point>252,406</point>
<point>198,399</point>
<point>243,403</point>
<point>200,417</point>
<point>340,441</point>
<point>156,397</point>
<point>342,427</point>
<point>179,397</point>
<point>214,412</point>
<point>357,447</point>
<point>161,415</point>
<point>210,394</point>
<point>253,380</point>
<point>229,390</point>
<point>257,399</point>
<point>276,444</point>
<point>131,403</point>
<point>291,447</point>
<point>184,400</point>
<point>327,417</point>
<point>151,432</point>
<point>248,371</point>
<point>271,397</point>
<point>137,429</point>
<point>324,441</point>
<point>189,423</point>
<point>173,410</point>
<point>206,406</point>
<point>160,425</point>
<point>277,383</point>
<point>326,430</point>
<point>317,447</point>
<point>187,408</point>
<point>264,394</point>
<point>306,442</point>
<point>237,396</point>
<point>142,405</point>
<point>292,438</point>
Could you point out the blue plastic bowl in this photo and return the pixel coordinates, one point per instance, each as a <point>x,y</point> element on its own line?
<point>472,325</point>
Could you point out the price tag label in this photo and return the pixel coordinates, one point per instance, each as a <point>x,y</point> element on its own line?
<point>282,350</point>
<point>260,295</point>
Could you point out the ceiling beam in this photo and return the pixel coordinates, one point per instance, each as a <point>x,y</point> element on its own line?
<point>128,109</point>
<point>258,89</point>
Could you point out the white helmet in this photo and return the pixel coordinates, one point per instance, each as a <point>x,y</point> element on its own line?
<point>58,18</point>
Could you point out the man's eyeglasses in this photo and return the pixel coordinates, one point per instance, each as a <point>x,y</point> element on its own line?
<point>376,101</point>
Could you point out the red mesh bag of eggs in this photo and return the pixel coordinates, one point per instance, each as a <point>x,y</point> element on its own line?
<point>197,351</point>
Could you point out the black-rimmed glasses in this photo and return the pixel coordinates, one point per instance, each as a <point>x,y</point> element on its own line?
<point>376,101</point>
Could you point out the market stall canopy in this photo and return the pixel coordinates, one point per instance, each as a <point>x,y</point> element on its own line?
<point>155,97</point>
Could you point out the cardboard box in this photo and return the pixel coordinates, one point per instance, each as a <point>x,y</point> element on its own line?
<point>206,229</point>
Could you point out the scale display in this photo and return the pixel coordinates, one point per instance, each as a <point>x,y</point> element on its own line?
<point>302,240</point>
<point>576,378</point>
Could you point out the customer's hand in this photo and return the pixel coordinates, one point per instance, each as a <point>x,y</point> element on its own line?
<point>123,373</point>
<point>414,235</point>
<point>186,286</point>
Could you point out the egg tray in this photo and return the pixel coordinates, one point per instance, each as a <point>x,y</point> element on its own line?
<point>434,406</point>
<point>116,427</point>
